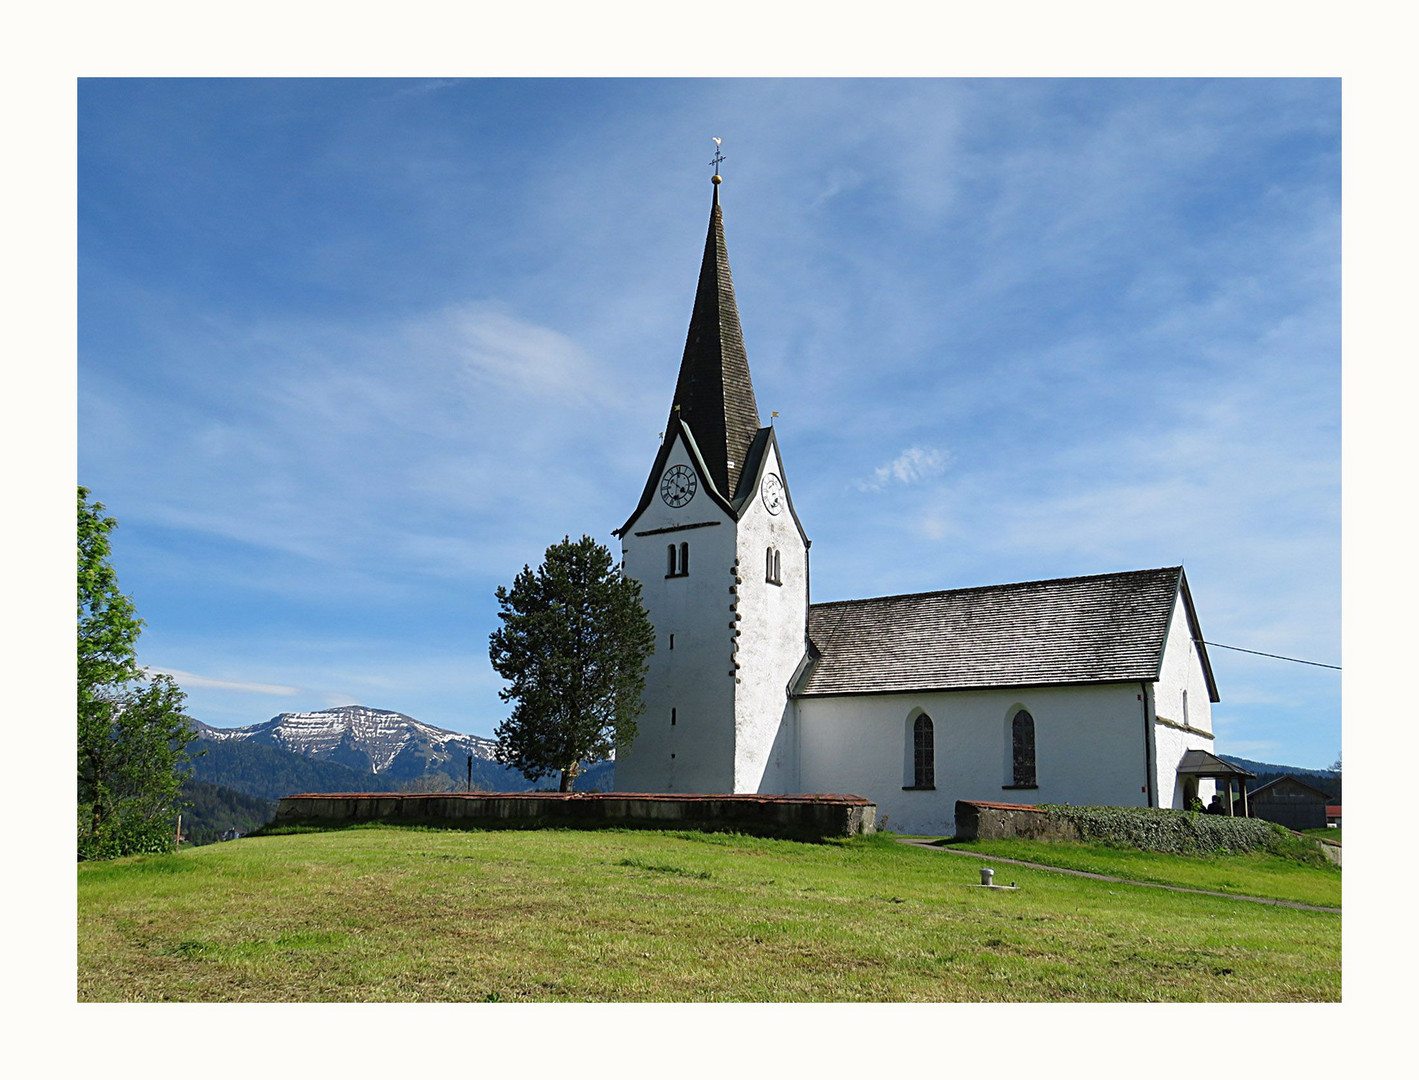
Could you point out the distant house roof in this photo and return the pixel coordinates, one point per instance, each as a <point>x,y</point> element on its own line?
<point>1332,811</point>
<point>1201,763</point>
<point>1095,629</point>
<point>1291,781</point>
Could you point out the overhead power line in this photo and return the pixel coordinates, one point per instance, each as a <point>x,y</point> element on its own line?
<point>1274,656</point>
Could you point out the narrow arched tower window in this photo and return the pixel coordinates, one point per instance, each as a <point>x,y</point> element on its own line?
<point>1022,748</point>
<point>923,753</point>
<point>772,564</point>
<point>677,560</point>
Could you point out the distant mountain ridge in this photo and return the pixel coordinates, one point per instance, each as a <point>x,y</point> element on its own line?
<point>389,744</point>
<point>1324,779</point>
<point>358,748</point>
<point>268,772</point>
<point>1267,767</point>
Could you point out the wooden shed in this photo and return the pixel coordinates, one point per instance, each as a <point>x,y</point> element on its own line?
<point>1290,802</point>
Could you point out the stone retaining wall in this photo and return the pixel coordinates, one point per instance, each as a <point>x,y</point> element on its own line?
<point>793,816</point>
<point>1006,821</point>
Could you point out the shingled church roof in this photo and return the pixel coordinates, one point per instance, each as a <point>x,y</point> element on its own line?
<point>714,394</point>
<point>1101,628</point>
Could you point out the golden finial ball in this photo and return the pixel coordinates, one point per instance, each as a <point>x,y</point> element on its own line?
<point>716,178</point>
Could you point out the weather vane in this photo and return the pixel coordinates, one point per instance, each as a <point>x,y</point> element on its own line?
<point>718,157</point>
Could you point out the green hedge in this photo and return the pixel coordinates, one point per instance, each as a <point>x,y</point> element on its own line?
<point>1181,832</point>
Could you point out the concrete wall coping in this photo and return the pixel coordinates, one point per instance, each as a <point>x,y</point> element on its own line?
<point>1002,806</point>
<point>596,796</point>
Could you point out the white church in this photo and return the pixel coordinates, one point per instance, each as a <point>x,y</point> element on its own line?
<point>1087,690</point>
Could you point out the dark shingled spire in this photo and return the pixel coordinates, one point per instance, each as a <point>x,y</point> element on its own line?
<point>714,393</point>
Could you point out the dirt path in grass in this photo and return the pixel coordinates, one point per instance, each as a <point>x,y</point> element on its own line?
<point>931,845</point>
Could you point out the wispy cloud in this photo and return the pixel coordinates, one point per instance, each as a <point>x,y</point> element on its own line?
<point>911,466</point>
<point>494,348</point>
<point>420,87</point>
<point>189,679</point>
<point>1251,749</point>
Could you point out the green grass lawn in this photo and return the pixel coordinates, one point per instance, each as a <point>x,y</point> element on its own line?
<point>1333,835</point>
<point>386,914</point>
<point>1249,874</point>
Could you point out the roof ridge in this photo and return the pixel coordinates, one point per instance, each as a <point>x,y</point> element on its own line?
<point>1003,585</point>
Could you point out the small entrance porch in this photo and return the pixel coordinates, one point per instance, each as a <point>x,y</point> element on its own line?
<point>1198,764</point>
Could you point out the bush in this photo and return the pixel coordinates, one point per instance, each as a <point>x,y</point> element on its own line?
<point>130,835</point>
<point>1182,832</point>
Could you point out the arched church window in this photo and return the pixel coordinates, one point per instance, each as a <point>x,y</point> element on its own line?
<point>670,559</point>
<point>923,753</point>
<point>684,559</point>
<point>1022,748</point>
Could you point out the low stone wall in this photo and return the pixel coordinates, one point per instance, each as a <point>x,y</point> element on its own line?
<point>1005,821</point>
<point>793,816</point>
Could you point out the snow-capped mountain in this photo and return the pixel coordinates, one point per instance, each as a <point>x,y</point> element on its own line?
<point>386,743</point>
<point>358,748</point>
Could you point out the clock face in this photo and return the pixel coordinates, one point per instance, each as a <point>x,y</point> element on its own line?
<point>677,486</point>
<point>772,492</point>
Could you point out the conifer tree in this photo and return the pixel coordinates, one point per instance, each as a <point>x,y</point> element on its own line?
<point>573,648</point>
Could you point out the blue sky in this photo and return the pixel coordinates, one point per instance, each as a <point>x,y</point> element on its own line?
<point>351,352</point>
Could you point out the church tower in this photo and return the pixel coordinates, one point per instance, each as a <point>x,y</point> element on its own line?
<point>723,564</point>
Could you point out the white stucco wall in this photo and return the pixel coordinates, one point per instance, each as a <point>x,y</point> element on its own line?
<point>1181,672</point>
<point>773,626</point>
<point>695,678</point>
<point>1089,749</point>
<point>738,641</point>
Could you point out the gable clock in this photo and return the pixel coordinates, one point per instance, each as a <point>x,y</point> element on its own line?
<point>677,486</point>
<point>772,493</point>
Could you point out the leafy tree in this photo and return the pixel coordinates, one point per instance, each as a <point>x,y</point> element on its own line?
<point>573,647</point>
<point>132,730</point>
<point>108,623</point>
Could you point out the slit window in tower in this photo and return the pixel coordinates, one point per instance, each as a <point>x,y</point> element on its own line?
<point>677,560</point>
<point>772,566</point>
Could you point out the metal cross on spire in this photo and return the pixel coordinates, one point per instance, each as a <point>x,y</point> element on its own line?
<point>718,157</point>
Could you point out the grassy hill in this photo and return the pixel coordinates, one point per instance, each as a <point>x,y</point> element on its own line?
<point>385,914</point>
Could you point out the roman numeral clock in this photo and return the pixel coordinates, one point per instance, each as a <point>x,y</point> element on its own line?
<point>677,486</point>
